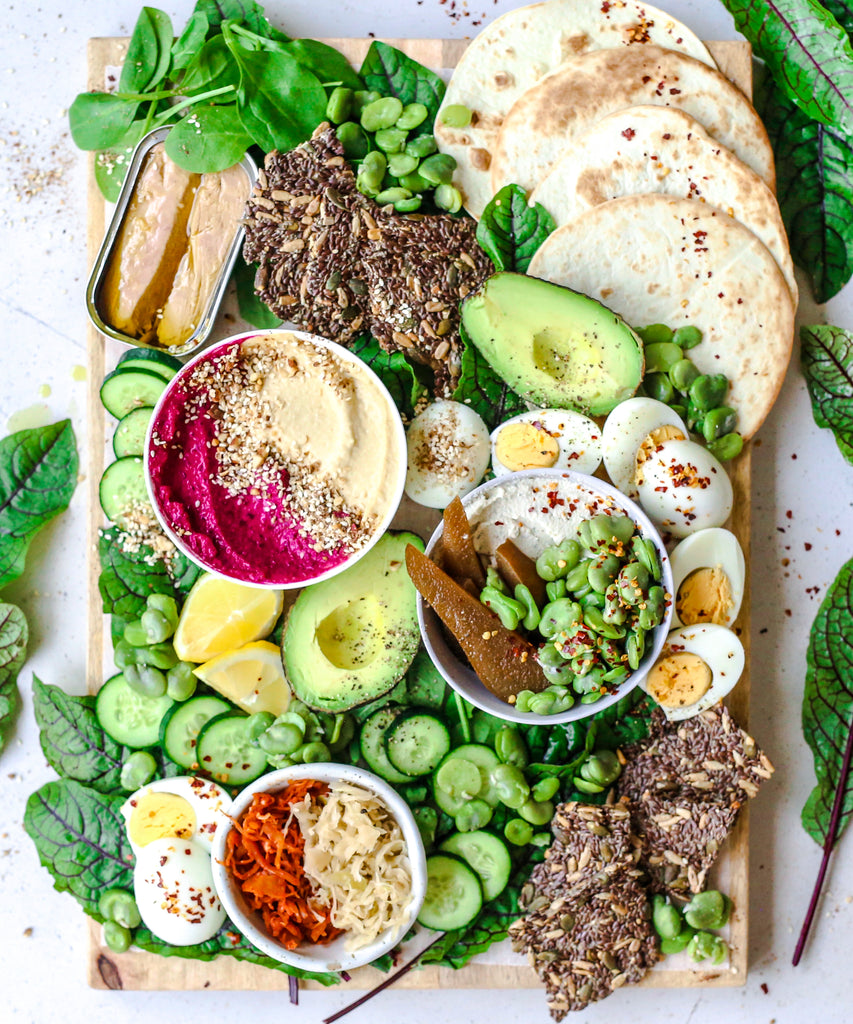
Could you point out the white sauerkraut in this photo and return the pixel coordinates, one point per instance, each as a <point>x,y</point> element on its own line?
<point>356,857</point>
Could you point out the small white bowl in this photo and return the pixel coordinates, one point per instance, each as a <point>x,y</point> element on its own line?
<point>396,468</point>
<point>333,956</point>
<point>461,676</point>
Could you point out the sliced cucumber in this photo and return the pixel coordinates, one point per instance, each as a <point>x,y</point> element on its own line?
<point>181,726</point>
<point>129,436</point>
<point>417,742</point>
<point>124,390</point>
<point>454,895</point>
<point>371,742</point>
<point>485,759</point>
<point>122,486</point>
<point>486,854</point>
<point>150,359</point>
<point>128,716</point>
<point>227,752</point>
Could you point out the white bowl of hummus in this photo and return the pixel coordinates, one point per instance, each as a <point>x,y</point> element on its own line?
<point>537,509</point>
<point>275,459</point>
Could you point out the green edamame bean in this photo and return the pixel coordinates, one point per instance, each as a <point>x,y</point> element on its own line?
<point>719,422</point>
<point>352,137</point>
<point>341,105</point>
<point>135,634</point>
<point>124,654</point>
<point>456,115</point>
<point>422,146</point>
<point>390,140</point>
<point>167,605</point>
<point>508,610</point>
<point>635,645</point>
<point>705,946</point>
<point>694,417</point>
<point>448,197</point>
<point>677,944</point>
<point>259,723</point>
<point>531,617</point>
<point>137,771</point>
<point>602,572</point>
<point>545,789</point>
<point>117,937</point>
<point>555,589</point>
<point>614,612</point>
<point>661,356</point>
<point>312,753</point>
<point>558,560</point>
<point>542,703</point>
<point>666,918</point>
<point>518,832</point>
<point>682,374</point>
<point>537,812</point>
<point>438,168</point>
<point>602,767</point>
<point>510,785</point>
<point>473,815</point>
<point>118,905</point>
<point>655,334</point>
<point>281,738</point>
<point>413,115</point>
<point>707,910</point>
<point>729,446</point>
<point>156,626</point>
<point>381,114</point>
<point>610,649</point>
<point>558,616</point>
<point>563,702</point>
<point>362,97</point>
<point>522,700</point>
<point>583,786</point>
<point>659,387</point>
<point>401,164</point>
<point>459,778</point>
<point>392,195</point>
<point>708,391</point>
<point>687,336</point>
<point>510,747</point>
<point>181,682</point>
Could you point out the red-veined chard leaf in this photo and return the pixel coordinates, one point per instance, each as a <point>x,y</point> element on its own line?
<point>394,370</point>
<point>807,52</point>
<point>842,11</point>
<point>38,473</point>
<point>481,388</point>
<point>149,52</point>
<point>209,138</point>
<point>127,578</point>
<point>252,309</point>
<point>827,357</point>
<point>246,12</point>
<point>13,654</point>
<point>390,72</point>
<point>327,63</point>
<point>814,167</point>
<point>510,231</point>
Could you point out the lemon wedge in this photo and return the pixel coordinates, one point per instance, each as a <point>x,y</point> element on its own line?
<point>252,677</point>
<point>220,616</point>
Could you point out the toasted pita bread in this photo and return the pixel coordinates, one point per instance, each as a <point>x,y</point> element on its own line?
<point>665,150</point>
<point>548,119</point>
<point>518,49</point>
<point>653,259</point>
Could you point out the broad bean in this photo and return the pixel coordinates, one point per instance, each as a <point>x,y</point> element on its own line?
<point>531,617</point>
<point>558,560</point>
<point>655,334</point>
<point>510,785</point>
<point>666,918</point>
<point>508,610</point>
<point>729,446</point>
<point>518,831</point>
<point>381,113</point>
<point>137,771</point>
<point>687,336</point>
<point>659,387</point>
<point>510,747</point>
<point>473,815</point>
<point>708,391</point>
<point>413,115</point>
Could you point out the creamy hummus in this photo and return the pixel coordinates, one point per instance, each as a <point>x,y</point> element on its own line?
<point>276,459</point>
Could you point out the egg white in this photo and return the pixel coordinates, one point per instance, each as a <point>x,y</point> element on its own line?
<point>624,431</point>
<point>675,506</point>
<point>209,802</point>
<point>707,549</point>
<point>579,439</point>
<point>448,453</point>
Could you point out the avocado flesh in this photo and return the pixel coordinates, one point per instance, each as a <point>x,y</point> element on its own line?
<point>553,346</point>
<point>349,639</point>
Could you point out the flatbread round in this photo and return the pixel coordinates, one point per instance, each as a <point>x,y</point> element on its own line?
<point>548,119</point>
<point>653,259</point>
<point>665,150</point>
<point>518,49</point>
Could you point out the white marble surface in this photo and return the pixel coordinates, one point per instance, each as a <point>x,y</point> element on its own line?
<point>803,532</point>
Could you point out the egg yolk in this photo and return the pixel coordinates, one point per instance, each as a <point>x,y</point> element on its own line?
<point>525,446</point>
<point>679,679</point>
<point>705,596</point>
<point>159,816</point>
<point>650,443</point>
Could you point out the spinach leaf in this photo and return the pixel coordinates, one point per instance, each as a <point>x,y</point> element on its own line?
<point>245,12</point>
<point>626,721</point>
<point>814,166</point>
<point>127,579</point>
<point>210,138</point>
<point>38,472</point>
<point>510,231</point>
<point>190,41</point>
<point>828,706</point>
<point>252,309</point>
<point>211,68</point>
<point>327,63</point>
<point>111,164</point>
<point>100,120</point>
<point>481,388</point>
<point>807,52</point>
<point>394,370</point>
<point>149,52</point>
<point>827,356</point>
<point>13,653</point>
<point>390,72</point>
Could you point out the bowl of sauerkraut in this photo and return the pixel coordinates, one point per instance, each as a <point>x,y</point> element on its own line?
<point>323,867</point>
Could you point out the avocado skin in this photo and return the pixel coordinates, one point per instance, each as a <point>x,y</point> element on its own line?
<point>351,638</point>
<point>553,346</point>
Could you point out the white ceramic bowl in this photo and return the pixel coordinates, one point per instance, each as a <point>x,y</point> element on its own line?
<point>460,675</point>
<point>333,956</point>
<point>396,466</point>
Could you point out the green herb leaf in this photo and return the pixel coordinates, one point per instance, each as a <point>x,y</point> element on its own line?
<point>807,52</point>
<point>828,705</point>
<point>481,388</point>
<point>127,579</point>
<point>510,231</point>
<point>111,164</point>
<point>827,356</point>
<point>252,309</point>
<point>394,370</point>
<point>99,120</point>
<point>388,71</point>
<point>814,167</point>
<point>210,138</point>
<point>13,654</point>
<point>149,52</point>
<point>328,64</point>
<point>246,12</point>
<point>38,472</point>
<point>213,67</point>
<point>190,41</point>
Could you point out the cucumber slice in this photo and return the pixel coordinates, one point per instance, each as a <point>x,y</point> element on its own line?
<point>181,726</point>
<point>227,752</point>
<point>122,486</point>
<point>371,742</point>
<point>129,436</point>
<point>150,359</point>
<point>454,895</point>
<point>417,742</point>
<point>486,854</point>
<point>124,390</point>
<point>128,716</point>
<point>485,759</point>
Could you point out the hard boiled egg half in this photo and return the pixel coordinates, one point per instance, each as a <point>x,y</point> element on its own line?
<point>698,666</point>
<point>708,572</point>
<point>448,453</point>
<point>631,425</point>
<point>547,439</point>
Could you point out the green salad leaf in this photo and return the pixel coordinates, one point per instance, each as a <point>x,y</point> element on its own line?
<point>211,138</point>
<point>149,52</point>
<point>390,72</point>
<point>827,357</point>
<point>245,12</point>
<point>510,231</point>
<point>395,371</point>
<point>842,11</point>
<point>126,579</point>
<point>190,41</point>
<point>252,309</point>
<point>14,634</point>
<point>814,167</point>
<point>807,52</point>
<point>481,388</point>
<point>828,707</point>
<point>327,63</point>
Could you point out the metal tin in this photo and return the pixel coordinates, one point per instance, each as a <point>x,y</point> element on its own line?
<point>105,253</point>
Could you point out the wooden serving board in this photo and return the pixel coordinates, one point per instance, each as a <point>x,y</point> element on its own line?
<point>140,970</point>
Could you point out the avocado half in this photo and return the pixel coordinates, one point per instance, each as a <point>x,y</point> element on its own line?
<point>349,639</point>
<point>553,346</point>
